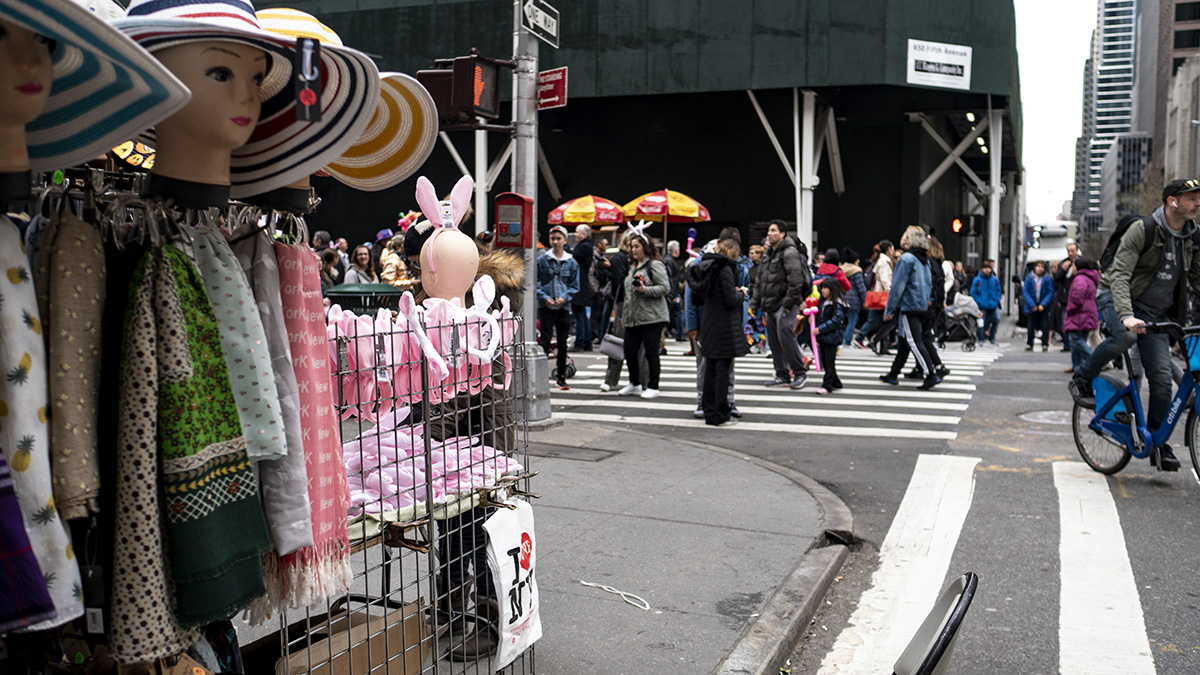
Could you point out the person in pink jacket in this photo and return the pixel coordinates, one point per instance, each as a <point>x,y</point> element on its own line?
<point>1081,315</point>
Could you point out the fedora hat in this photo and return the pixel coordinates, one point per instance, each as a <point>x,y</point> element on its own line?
<point>106,89</point>
<point>282,148</point>
<point>403,127</point>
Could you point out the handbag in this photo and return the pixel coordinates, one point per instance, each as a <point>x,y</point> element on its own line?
<point>612,346</point>
<point>875,300</point>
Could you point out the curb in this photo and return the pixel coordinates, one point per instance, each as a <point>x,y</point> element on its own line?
<point>766,643</point>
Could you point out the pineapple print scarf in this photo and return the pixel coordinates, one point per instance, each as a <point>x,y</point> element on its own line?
<point>24,435</point>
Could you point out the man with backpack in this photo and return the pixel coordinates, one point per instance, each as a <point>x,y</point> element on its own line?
<point>780,288</point>
<point>1146,268</point>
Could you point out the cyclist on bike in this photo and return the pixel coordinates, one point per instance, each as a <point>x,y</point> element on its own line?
<point>1148,284</point>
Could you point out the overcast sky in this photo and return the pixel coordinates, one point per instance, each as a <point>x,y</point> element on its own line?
<point>1052,44</point>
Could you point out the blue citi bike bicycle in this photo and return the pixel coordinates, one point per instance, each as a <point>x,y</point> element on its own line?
<point>1116,430</point>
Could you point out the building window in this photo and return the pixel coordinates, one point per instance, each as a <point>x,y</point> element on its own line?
<point>1186,39</point>
<point>1187,11</point>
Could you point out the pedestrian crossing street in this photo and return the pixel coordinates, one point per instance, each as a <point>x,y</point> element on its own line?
<point>1099,633</point>
<point>865,407</point>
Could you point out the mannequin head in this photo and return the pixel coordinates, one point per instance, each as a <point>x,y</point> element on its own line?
<point>26,73</point>
<point>195,143</point>
<point>455,261</point>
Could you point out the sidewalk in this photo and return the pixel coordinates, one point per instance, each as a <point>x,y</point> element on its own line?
<point>730,552</point>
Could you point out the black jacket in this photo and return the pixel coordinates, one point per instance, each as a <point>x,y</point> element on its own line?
<point>618,268</point>
<point>938,290</point>
<point>713,279</point>
<point>583,257</point>
<point>783,279</point>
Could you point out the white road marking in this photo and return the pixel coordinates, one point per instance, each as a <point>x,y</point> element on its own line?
<point>1100,624</point>
<point>802,429</point>
<point>773,411</point>
<point>913,561</point>
<point>788,397</point>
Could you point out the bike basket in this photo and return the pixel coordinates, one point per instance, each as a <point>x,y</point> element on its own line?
<point>1193,351</point>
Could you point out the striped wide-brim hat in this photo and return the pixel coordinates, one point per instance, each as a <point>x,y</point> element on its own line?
<point>399,139</point>
<point>282,149</point>
<point>403,128</point>
<point>106,89</point>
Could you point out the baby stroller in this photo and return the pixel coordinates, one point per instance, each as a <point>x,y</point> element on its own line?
<point>962,321</point>
<point>959,328</point>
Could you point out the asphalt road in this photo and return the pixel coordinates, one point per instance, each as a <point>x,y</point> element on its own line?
<point>1011,534</point>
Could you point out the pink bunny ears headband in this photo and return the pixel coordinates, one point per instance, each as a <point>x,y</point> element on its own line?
<point>442,215</point>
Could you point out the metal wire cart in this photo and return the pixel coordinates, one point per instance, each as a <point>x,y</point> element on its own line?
<point>434,439</point>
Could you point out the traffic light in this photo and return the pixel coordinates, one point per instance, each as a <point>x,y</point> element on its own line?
<point>464,88</point>
<point>956,225</point>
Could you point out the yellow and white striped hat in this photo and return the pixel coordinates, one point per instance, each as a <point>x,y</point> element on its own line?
<point>402,131</point>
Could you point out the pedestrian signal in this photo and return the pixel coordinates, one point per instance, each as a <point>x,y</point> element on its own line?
<point>956,226</point>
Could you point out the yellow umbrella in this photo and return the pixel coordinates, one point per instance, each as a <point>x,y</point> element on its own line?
<point>675,207</point>
<point>587,209</point>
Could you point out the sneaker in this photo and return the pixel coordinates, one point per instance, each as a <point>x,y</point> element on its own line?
<point>1046,348</point>
<point>993,343</point>
<point>930,383</point>
<point>604,387</point>
<point>1081,391</point>
<point>562,385</point>
<point>777,382</point>
<point>798,381</point>
<point>630,390</point>
<point>650,393</point>
<point>1166,459</point>
<point>889,378</point>
<point>1028,348</point>
<point>823,391</point>
<point>734,412</point>
<point>698,413</point>
<point>858,343</point>
<point>941,371</point>
<point>728,423</point>
<point>914,374</point>
<point>808,361</point>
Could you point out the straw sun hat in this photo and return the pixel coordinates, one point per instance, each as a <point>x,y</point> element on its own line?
<point>105,88</point>
<point>282,149</point>
<point>403,128</point>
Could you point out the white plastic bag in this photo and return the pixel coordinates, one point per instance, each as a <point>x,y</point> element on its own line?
<point>512,558</point>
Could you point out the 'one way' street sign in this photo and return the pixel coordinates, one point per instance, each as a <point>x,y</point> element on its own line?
<point>539,18</point>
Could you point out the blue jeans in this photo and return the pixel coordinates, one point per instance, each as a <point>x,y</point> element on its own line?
<point>1080,351</point>
<point>583,327</point>
<point>1155,350</point>
<point>606,316</point>
<point>991,320</point>
<point>851,322</point>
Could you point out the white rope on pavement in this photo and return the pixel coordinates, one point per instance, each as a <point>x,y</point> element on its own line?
<point>630,598</point>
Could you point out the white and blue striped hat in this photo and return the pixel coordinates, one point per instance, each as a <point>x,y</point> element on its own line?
<point>106,89</point>
<point>282,149</point>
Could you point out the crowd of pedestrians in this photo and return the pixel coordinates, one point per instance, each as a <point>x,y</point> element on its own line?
<point>729,301</point>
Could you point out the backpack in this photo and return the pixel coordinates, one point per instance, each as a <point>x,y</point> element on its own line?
<point>1110,249</point>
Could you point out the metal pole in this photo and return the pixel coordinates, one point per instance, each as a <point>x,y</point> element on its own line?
<point>796,162</point>
<point>808,181</point>
<point>996,148</point>
<point>524,181</point>
<point>482,186</point>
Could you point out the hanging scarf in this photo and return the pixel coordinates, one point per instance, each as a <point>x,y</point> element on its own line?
<point>284,482</point>
<point>24,436</point>
<point>70,280</point>
<point>314,574</point>
<point>244,344</point>
<point>24,599</point>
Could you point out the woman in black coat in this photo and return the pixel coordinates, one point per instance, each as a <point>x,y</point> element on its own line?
<point>721,338</point>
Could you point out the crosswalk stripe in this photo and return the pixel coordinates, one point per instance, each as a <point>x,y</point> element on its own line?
<point>776,411</point>
<point>913,561</point>
<point>800,429</point>
<point>1100,625</point>
<point>813,379</point>
<point>957,375</point>
<point>883,391</point>
<point>789,398</point>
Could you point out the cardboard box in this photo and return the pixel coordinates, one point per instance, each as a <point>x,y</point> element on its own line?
<point>359,643</point>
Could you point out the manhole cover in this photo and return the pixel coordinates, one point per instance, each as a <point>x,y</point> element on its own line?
<point>1047,417</point>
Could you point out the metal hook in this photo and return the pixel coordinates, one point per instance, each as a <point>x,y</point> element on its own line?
<point>308,71</point>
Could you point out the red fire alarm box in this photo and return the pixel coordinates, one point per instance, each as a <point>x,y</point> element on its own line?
<point>514,220</point>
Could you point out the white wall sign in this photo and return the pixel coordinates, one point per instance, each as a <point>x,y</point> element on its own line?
<point>937,64</point>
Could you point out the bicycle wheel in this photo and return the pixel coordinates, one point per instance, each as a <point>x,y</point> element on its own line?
<point>1193,441</point>
<point>1100,453</point>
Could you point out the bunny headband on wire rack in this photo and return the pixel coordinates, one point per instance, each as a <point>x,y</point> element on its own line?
<point>442,214</point>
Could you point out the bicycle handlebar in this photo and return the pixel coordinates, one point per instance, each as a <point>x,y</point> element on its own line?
<point>1173,329</point>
